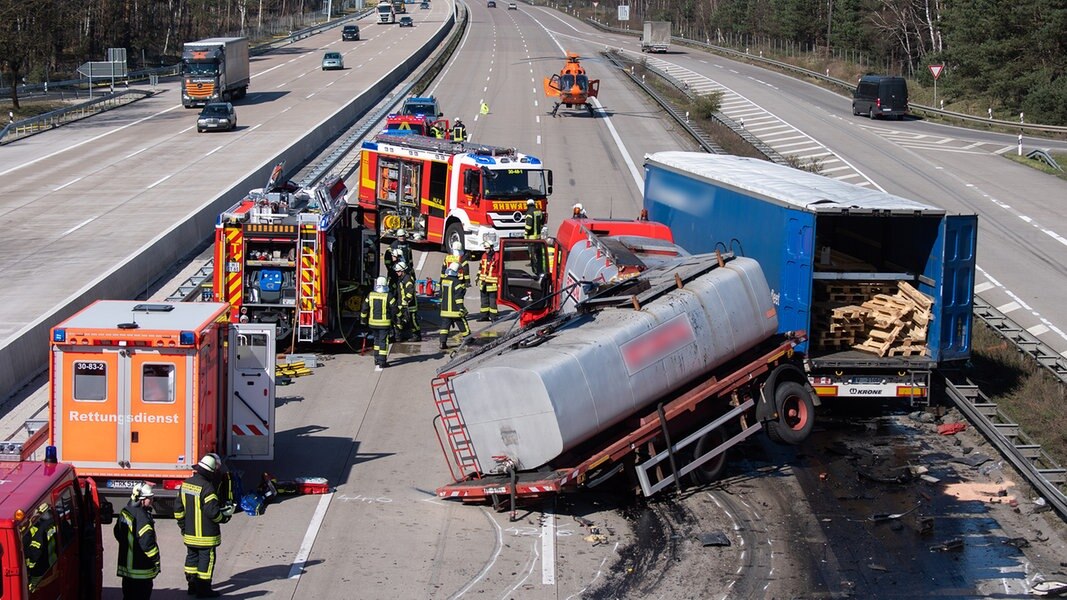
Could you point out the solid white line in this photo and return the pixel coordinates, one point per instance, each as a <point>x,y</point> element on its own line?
<point>297,568</point>
<point>548,548</point>
<point>78,226</point>
<point>422,261</point>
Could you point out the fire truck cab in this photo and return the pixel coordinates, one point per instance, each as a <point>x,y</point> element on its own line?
<point>45,502</point>
<point>441,191</point>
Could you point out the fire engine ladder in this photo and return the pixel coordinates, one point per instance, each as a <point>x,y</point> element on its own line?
<point>308,274</point>
<point>455,429</point>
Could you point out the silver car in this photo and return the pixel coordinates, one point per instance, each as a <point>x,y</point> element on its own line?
<point>332,60</point>
<point>217,116</point>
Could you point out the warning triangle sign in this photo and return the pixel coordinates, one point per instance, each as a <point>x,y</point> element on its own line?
<point>405,127</point>
<point>935,70</point>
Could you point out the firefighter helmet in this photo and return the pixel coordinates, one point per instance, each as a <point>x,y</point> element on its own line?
<point>141,491</point>
<point>530,202</point>
<point>487,244</point>
<point>210,462</point>
<point>381,284</point>
<point>457,247</point>
<point>401,234</point>
<point>400,267</point>
<point>453,269</point>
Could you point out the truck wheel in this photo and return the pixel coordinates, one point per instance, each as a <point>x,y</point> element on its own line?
<point>870,113</point>
<point>453,233</point>
<point>796,414</point>
<point>711,471</point>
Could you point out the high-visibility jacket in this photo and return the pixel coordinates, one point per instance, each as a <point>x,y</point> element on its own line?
<point>378,310</point>
<point>41,551</point>
<point>459,133</point>
<point>406,291</point>
<point>535,219</point>
<point>452,298</point>
<point>464,274</point>
<point>138,555</point>
<point>487,281</point>
<point>198,513</point>
<point>436,132</point>
<point>405,253</point>
<point>551,266</point>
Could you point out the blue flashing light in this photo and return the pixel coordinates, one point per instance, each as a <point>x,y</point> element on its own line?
<point>51,455</point>
<point>533,160</point>
<point>59,335</point>
<point>187,338</point>
<point>370,145</point>
<point>483,160</point>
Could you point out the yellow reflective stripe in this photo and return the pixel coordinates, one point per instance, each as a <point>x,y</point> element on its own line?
<point>144,529</point>
<point>152,552</point>
<point>200,540</point>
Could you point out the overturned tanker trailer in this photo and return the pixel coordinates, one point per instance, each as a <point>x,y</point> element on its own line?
<point>635,356</point>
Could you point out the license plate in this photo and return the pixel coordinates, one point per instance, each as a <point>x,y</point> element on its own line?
<point>122,484</point>
<point>516,234</point>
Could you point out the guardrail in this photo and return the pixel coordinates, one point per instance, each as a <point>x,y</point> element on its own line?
<point>50,120</point>
<point>846,86</point>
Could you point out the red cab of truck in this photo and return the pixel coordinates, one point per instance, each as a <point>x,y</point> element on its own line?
<point>45,501</point>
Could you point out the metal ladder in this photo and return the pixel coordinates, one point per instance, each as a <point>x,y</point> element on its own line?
<point>456,430</point>
<point>308,278</point>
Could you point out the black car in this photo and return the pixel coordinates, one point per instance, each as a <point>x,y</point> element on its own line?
<point>350,33</point>
<point>881,96</point>
<point>406,22</point>
<point>217,116</point>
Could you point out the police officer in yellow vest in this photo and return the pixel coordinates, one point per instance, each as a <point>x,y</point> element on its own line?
<point>453,312</point>
<point>459,131</point>
<point>535,220</point>
<point>487,283</point>
<point>379,310</point>
<point>41,551</point>
<point>199,514</point>
<point>138,556</point>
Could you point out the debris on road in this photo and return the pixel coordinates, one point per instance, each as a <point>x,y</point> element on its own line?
<point>953,544</point>
<point>951,428</point>
<point>715,538</point>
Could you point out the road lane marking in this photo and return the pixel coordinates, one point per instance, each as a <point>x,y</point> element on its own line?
<point>166,177</point>
<point>71,182</point>
<point>548,548</point>
<point>492,560</point>
<point>297,568</point>
<point>78,226</point>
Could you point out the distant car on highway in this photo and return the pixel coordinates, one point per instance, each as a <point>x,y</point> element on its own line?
<point>217,116</point>
<point>332,60</point>
<point>406,22</point>
<point>424,6</point>
<point>350,33</point>
<point>513,6</point>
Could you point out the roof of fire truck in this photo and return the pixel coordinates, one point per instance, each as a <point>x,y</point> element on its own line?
<point>482,154</point>
<point>285,204</point>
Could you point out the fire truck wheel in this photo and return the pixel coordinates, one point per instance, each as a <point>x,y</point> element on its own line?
<point>796,414</point>
<point>454,233</point>
<point>711,471</point>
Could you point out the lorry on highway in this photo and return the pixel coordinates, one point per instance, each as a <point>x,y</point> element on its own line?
<point>386,12</point>
<point>882,284</point>
<point>635,356</point>
<point>47,503</point>
<point>440,191</point>
<point>297,258</point>
<point>214,70</point>
<point>656,36</point>
<point>139,391</point>
<point>399,7</point>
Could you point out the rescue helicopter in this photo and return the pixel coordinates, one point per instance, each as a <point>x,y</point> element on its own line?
<point>572,86</point>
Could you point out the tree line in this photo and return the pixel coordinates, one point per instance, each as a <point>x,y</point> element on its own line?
<point>1012,53</point>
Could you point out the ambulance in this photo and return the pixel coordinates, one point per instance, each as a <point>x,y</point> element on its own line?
<point>141,390</point>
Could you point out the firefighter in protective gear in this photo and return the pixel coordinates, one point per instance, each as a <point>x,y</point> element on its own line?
<point>436,132</point>
<point>41,550</point>
<point>535,220</point>
<point>459,131</point>
<point>458,256</point>
<point>138,556</point>
<point>578,211</point>
<point>200,514</point>
<point>408,306</point>
<point>402,251</point>
<point>487,283</point>
<point>453,312</point>
<point>379,310</point>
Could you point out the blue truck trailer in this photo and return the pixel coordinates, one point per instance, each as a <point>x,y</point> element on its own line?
<point>844,263</point>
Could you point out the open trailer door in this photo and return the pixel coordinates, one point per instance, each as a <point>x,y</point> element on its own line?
<point>250,409</point>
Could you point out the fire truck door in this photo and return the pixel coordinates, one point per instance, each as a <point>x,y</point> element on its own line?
<point>86,405</point>
<point>159,419</point>
<point>251,401</point>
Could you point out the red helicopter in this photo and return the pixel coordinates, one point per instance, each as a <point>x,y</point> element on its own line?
<point>572,86</point>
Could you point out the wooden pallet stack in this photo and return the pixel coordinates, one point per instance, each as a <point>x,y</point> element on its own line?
<point>883,319</point>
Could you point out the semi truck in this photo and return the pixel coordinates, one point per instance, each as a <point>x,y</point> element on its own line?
<point>440,191</point>
<point>297,258</point>
<point>46,502</point>
<point>656,36</point>
<point>399,7</point>
<point>386,12</point>
<point>139,391</point>
<point>214,70</point>
<point>882,284</point>
<point>635,356</point>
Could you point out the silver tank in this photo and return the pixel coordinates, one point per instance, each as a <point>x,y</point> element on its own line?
<point>532,404</point>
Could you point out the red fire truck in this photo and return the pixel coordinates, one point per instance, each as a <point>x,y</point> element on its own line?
<point>46,502</point>
<point>441,191</point>
<point>298,258</point>
<point>403,124</point>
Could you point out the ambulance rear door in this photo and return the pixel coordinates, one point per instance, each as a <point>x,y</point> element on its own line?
<point>159,424</point>
<point>250,412</point>
<point>86,403</point>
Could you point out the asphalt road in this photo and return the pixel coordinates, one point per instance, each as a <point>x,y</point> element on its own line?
<point>383,532</point>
